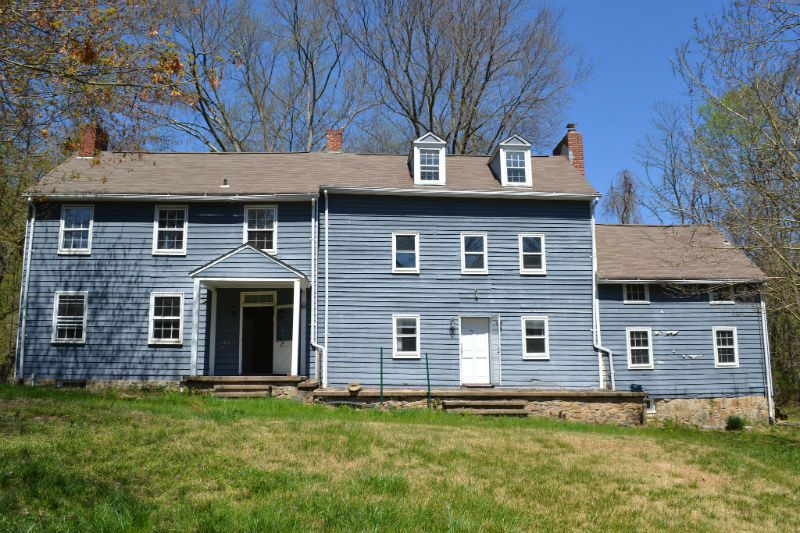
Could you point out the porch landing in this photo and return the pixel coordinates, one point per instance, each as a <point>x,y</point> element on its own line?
<point>297,387</point>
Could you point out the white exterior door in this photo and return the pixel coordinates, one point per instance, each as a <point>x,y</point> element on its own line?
<point>475,351</point>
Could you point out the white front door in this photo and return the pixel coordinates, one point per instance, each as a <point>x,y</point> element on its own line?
<point>475,351</point>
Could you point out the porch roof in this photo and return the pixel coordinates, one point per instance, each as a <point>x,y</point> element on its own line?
<point>245,266</point>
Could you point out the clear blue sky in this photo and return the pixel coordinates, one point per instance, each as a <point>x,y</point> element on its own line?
<point>631,44</point>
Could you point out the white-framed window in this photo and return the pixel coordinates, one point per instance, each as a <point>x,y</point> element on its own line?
<point>726,347</point>
<point>405,343</point>
<point>515,166</point>
<point>166,318</point>
<point>405,253</point>
<point>75,229</point>
<point>636,293</point>
<point>531,253</point>
<point>535,338</point>
<point>640,348</point>
<point>429,164</point>
<point>261,227</point>
<point>722,295</point>
<point>474,256</point>
<point>169,230</point>
<point>69,317</point>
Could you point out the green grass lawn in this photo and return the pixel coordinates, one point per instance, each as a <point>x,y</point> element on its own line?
<point>122,461</point>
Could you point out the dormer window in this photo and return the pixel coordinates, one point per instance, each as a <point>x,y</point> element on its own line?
<point>427,160</point>
<point>511,162</point>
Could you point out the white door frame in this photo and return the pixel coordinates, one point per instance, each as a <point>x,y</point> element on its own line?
<point>242,305</point>
<point>489,347</point>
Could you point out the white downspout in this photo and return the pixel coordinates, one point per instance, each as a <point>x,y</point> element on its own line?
<point>23,297</point>
<point>325,334</point>
<point>596,334</point>
<point>767,361</point>
<point>313,311</point>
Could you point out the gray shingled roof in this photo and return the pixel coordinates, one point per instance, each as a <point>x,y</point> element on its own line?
<point>687,252</point>
<point>284,173</point>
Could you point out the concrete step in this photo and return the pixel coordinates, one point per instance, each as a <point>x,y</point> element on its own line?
<point>242,387</point>
<point>242,394</point>
<point>490,412</point>
<point>449,404</point>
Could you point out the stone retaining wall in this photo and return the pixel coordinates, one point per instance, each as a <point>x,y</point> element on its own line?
<point>621,413</point>
<point>710,411</point>
<point>106,383</point>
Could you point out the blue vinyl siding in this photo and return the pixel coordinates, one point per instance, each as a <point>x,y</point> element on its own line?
<point>674,373</point>
<point>119,275</point>
<point>364,293</point>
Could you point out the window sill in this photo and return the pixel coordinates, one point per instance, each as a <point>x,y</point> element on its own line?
<point>726,365</point>
<point>74,252</point>
<point>173,253</point>
<point>475,272</point>
<point>405,271</point>
<point>727,302</point>
<point>533,272</point>
<point>404,356</point>
<point>636,303</point>
<point>536,357</point>
<point>65,341</point>
<point>640,367</point>
<point>164,343</point>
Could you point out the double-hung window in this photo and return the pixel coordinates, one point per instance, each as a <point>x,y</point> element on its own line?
<point>69,317</point>
<point>169,230</point>
<point>75,235</point>
<point>636,293</point>
<point>261,227</point>
<point>406,336</point>
<point>515,166</point>
<point>166,318</point>
<point>640,348</point>
<point>722,295</point>
<point>531,253</point>
<point>405,253</point>
<point>726,347</point>
<point>474,258</point>
<point>429,164</point>
<point>535,338</point>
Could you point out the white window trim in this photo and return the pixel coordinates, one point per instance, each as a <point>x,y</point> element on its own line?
<point>405,355</point>
<point>274,207</point>
<point>504,170</point>
<point>181,251</point>
<point>731,294</point>
<point>150,318</point>
<point>57,295</point>
<point>537,271</point>
<point>395,268</point>
<point>536,356</point>
<point>646,300</point>
<point>649,347</point>
<point>485,269</point>
<point>735,363</point>
<point>75,251</point>
<point>442,166</point>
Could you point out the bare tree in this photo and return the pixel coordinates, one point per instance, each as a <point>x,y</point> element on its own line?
<point>470,71</point>
<point>734,154</point>
<point>622,202</point>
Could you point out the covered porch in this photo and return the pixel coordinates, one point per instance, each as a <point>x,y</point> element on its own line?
<point>257,316</point>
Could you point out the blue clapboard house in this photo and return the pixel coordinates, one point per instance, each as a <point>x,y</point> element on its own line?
<point>156,266</point>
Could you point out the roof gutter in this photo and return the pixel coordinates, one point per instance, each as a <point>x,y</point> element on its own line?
<point>173,197</point>
<point>682,281</point>
<point>461,194</point>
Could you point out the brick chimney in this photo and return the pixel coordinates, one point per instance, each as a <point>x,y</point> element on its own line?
<point>333,141</point>
<point>93,137</point>
<point>571,146</point>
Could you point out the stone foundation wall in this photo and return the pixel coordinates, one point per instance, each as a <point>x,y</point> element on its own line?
<point>620,413</point>
<point>711,411</point>
<point>107,383</point>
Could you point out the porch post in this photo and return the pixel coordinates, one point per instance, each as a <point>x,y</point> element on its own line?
<point>296,328</point>
<point>195,326</point>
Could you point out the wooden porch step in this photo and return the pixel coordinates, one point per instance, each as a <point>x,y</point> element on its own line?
<point>490,412</point>
<point>450,404</point>
<point>241,387</point>
<point>243,394</point>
